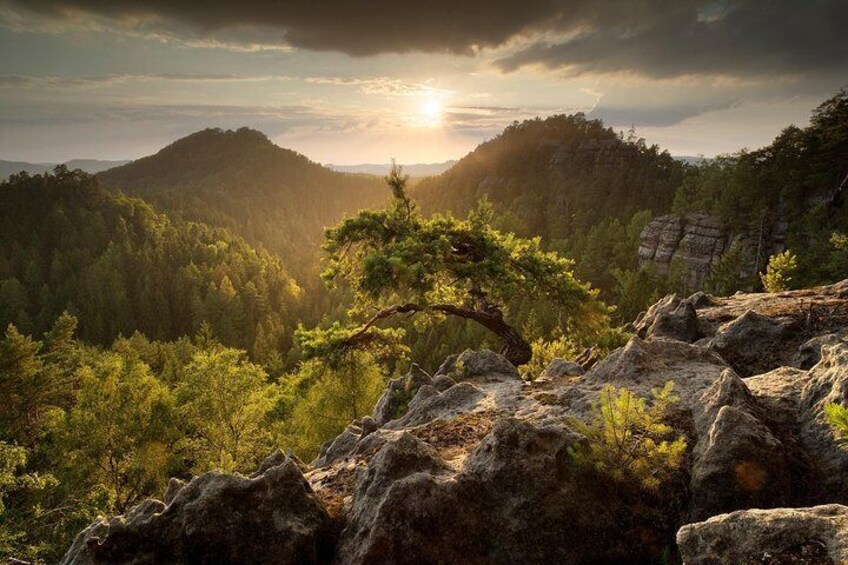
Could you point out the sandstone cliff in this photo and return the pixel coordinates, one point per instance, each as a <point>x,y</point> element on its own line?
<point>696,241</point>
<point>474,465</point>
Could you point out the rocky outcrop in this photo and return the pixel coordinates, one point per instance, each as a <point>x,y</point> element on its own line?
<point>751,342</point>
<point>475,465</point>
<point>670,317</point>
<point>811,536</point>
<point>558,368</point>
<point>275,518</point>
<point>602,154</point>
<point>471,364</point>
<point>696,241</point>
<point>400,392</point>
<point>410,507</point>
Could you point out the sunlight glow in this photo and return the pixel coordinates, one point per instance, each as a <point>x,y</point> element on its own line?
<point>431,111</point>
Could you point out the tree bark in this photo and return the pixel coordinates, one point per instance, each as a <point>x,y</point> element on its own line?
<point>514,347</point>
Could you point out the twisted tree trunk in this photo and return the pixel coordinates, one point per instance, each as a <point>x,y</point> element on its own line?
<point>514,347</point>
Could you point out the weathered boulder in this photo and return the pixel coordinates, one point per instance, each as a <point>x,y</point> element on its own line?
<point>701,299</point>
<point>216,518</point>
<point>400,392</point>
<point>174,486</point>
<point>810,352</point>
<point>519,498</point>
<point>470,364</point>
<point>645,364</point>
<point>402,461</point>
<point>369,426</point>
<point>827,383</point>
<point>559,368</point>
<point>742,465</point>
<point>780,536</point>
<point>277,457</point>
<point>337,448</point>
<point>671,317</point>
<point>443,382</point>
<point>752,343</point>
<point>430,404</point>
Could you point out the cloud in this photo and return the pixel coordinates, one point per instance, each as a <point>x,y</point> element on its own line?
<point>58,83</point>
<point>383,86</point>
<point>682,38</point>
<point>654,38</point>
<point>356,27</point>
<point>486,121</point>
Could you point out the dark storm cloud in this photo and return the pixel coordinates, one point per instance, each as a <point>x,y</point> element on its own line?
<point>655,38</point>
<point>741,37</point>
<point>357,27</point>
<point>667,114</point>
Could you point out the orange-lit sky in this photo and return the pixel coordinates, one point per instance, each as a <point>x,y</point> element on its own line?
<point>359,81</point>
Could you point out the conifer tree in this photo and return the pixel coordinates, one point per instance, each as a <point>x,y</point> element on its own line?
<point>398,262</point>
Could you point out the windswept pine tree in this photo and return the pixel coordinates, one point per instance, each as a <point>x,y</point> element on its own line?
<point>398,262</point>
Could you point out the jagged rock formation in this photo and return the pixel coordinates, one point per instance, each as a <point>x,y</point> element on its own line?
<point>697,240</point>
<point>601,153</point>
<point>474,465</point>
<point>272,518</point>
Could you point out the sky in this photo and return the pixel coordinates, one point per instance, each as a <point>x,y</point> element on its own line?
<point>364,81</point>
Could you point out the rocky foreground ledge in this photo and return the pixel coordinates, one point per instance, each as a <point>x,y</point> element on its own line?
<point>472,465</point>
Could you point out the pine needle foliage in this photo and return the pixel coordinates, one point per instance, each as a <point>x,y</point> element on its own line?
<point>779,272</point>
<point>628,439</point>
<point>837,417</point>
<point>397,262</point>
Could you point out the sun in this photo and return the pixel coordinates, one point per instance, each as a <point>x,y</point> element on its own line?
<point>431,111</point>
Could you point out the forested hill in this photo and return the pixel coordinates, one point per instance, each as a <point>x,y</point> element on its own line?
<point>557,176</point>
<point>242,181</point>
<point>120,266</point>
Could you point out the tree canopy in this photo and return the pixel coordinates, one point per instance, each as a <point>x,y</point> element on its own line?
<point>119,266</point>
<point>396,261</point>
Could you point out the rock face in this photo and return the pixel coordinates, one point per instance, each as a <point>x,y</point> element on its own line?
<point>474,465</point>
<point>216,518</point>
<point>814,536</point>
<point>697,240</point>
<point>408,498</point>
<point>562,368</point>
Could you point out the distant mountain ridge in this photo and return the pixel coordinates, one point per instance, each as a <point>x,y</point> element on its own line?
<point>557,176</point>
<point>242,181</point>
<point>91,166</point>
<point>414,170</point>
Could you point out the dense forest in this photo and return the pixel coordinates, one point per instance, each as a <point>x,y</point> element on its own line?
<point>558,176</point>
<point>188,315</point>
<point>241,181</point>
<point>69,245</point>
